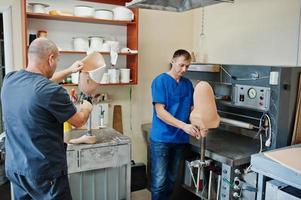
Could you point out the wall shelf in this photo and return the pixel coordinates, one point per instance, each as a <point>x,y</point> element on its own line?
<point>78,19</point>
<point>108,84</point>
<point>104,53</point>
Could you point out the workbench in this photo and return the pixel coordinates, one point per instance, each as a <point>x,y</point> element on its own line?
<point>270,169</point>
<point>101,170</point>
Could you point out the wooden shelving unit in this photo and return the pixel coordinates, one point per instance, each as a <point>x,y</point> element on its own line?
<point>107,84</point>
<point>131,35</point>
<point>77,19</point>
<point>105,53</point>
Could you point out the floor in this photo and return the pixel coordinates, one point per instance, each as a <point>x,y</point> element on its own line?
<point>137,195</point>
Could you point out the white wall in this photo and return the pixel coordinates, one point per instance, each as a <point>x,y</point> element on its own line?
<point>258,32</point>
<point>160,34</point>
<point>17,29</point>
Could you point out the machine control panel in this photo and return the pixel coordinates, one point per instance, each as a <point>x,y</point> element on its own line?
<point>253,97</point>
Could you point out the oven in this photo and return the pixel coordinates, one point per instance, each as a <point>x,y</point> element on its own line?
<point>257,114</point>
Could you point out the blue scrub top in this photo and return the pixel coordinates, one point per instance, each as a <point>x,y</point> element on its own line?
<point>34,110</point>
<point>178,100</point>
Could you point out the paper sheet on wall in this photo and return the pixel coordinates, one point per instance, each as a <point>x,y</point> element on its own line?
<point>290,158</point>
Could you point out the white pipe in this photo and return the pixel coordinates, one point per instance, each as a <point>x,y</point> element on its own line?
<point>237,123</point>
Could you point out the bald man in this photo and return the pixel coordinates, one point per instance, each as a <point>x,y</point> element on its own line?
<point>34,110</point>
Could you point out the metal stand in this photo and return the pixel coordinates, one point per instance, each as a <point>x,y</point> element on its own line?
<point>200,165</point>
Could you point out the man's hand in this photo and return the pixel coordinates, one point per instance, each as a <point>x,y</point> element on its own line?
<point>191,130</point>
<point>203,133</point>
<point>75,67</point>
<point>86,105</point>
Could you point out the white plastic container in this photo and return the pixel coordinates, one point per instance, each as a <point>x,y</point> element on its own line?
<point>114,75</point>
<point>106,47</point>
<point>123,13</point>
<point>80,44</point>
<point>125,75</point>
<point>96,43</point>
<point>103,14</point>
<point>105,78</point>
<point>74,77</point>
<point>114,45</point>
<point>83,11</point>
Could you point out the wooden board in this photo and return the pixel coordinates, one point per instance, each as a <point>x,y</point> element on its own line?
<point>289,158</point>
<point>117,119</point>
<point>296,138</point>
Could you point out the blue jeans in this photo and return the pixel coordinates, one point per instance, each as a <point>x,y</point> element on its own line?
<point>165,158</point>
<point>26,188</point>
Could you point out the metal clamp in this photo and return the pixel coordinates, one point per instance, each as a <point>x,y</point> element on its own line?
<point>199,165</point>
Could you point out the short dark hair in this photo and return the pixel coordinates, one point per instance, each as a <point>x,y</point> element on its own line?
<point>182,52</point>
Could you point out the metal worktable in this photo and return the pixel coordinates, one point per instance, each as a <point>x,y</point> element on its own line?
<point>106,136</point>
<point>227,147</point>
<point>268,168</point>
<point>101,170</point>
<point>223,146</point>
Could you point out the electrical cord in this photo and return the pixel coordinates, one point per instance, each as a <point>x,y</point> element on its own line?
<point>269,140</point>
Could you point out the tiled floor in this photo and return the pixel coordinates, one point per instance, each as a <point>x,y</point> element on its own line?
<point>141,195</point>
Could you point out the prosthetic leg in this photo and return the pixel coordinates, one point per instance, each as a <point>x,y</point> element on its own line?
<point>204,116</point>
<point>89,79</point>
<point>88,137</point>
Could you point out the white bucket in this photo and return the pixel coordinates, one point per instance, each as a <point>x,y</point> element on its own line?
<point>125,75</point>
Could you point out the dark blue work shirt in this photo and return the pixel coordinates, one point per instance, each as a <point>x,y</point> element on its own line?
<point>178,100</point>
<point>34,110</point>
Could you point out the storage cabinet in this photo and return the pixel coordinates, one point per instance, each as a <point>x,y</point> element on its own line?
<point>101,170</point>
<point>61,29</point>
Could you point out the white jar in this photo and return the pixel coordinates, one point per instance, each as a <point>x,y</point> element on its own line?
<point>125,75</point>
<point>80,44</point>
<point>96,43</point>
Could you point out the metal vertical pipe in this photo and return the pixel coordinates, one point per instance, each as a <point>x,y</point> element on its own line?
<point>210,185</point>
<point>218,186</point>
<point>202,158</point>
<point>203,149</point>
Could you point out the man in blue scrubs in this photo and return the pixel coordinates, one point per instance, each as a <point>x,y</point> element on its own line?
<point>172,103</point>
<point>34,110</point>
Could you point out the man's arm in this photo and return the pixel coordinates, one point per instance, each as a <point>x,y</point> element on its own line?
<point>59,76</point>
<point>81,116</point>
<point>165,116</point>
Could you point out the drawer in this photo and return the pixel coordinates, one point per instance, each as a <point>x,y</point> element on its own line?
<point>98,158</point>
